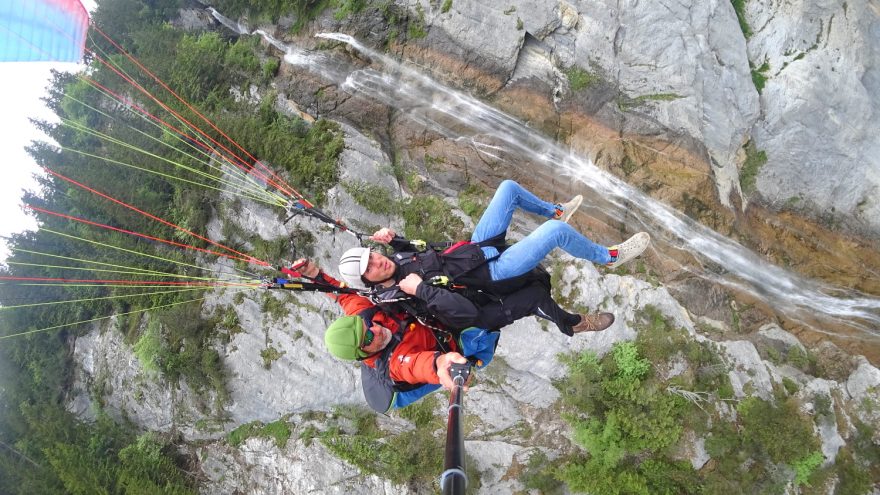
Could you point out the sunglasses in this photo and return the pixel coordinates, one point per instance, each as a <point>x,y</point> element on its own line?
<point>368,338</point>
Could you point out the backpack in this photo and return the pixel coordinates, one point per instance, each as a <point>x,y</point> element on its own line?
<point>383,394</point>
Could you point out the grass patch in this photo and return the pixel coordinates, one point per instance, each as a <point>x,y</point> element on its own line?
<point>374,198</point>
<point>416,28</point>
<point>347,8</point>
<point>447,4</point>
<point>580,79</point>
<point>473,201</point>
<point>413,457</point>
<point>279,431</point>
<point>273,307</point>
<point>270,355</point>
<point>739,6</point>
<point>755,159</point>
<point>421,413</point>
<point>759,76</point>
<point>431,219</point>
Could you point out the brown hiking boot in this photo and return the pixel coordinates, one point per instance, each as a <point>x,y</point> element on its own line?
<point>593,323</point>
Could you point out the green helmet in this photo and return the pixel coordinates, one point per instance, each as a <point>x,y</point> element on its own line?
<point>344,336</point>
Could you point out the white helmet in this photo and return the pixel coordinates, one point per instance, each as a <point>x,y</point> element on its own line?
<point>353,264</point>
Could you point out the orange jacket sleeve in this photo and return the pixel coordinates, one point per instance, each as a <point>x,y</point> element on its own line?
<point>351,303</point>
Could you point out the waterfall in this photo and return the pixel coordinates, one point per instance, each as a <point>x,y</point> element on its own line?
<point>457,115</point>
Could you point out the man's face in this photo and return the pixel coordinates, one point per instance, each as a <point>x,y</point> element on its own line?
<point>379,268</point>
<point>381,336</point>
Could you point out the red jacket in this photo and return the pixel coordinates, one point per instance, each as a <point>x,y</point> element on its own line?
<point>413,359</point>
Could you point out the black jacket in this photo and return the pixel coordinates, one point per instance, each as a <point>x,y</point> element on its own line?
<point>483,303</point>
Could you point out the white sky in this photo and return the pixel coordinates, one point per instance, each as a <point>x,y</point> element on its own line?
<point>21,87</point>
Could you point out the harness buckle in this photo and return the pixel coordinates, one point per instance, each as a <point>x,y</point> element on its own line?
<point>440,281</point>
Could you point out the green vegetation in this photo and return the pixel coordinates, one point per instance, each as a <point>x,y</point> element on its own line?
<point>270,355</point>
<point>405,458</point>
<point>580,79</point>
<point>149,347</point>
<point>618,421</point>
<point>373,197</point>
<point>473,201</point>
<point>431,219</point>
<point>539,474</point>
<point>269,11</point>
<point>416,28</point>
<point>413,457</point>
<point>571,299</point>
<point>755,159</point>
<point>447,4</point>
<point>177,342</point>
<point>421,413</point>
<point>805,467</point>
<point>759,76</point>
<point>270,68</point>
<point>739,6</point>
<point>347,8</point>
<point>273,307</point>
<point>82,459</point>
<point>629,419</point>
<point>279,431</point>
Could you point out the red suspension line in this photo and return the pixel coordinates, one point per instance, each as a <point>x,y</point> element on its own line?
<point>131,282</point>
<point>207,149</point>
<point>124,231</point>
<point>249,169</point>
<point>286,188</point>
<point>154,217</point>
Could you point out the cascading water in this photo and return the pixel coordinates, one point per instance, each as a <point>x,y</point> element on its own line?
<point>495,134</point>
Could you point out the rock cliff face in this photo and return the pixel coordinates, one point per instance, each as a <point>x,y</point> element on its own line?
<point>300,385</point>
<point>820,107</point>
<point>685,72</point>
<point>671,103</point>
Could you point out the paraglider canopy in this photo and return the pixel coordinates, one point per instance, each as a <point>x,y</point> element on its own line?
<point>42,30</point>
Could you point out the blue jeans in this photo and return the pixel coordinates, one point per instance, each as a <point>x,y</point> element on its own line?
<point>532,249</point>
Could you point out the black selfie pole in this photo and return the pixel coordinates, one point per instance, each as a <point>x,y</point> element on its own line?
<point>453,481</point>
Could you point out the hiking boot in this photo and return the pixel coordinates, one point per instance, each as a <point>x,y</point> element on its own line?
<point>564,211</point>
<point>593,323</point>
<point>628,249</point>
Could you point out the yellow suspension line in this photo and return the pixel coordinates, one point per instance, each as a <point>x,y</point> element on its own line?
<point>127,272</point>
<point>120,296</point>
<point>29,332</point>
<point>162,174</point>
<point>181,122</point>
<point>125,250</point>
<point>244,179</point>
<point>143,270</point>
<point>252,191</point>
<point>229,285</point>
